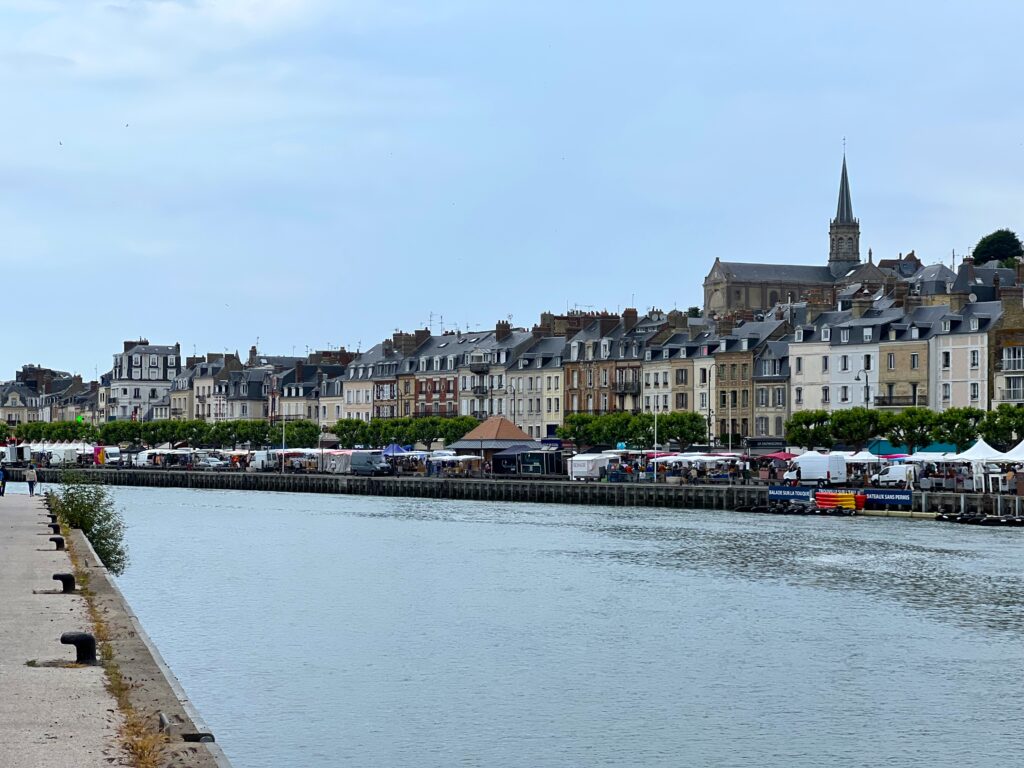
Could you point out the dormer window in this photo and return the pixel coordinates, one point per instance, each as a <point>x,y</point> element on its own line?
<point>826,333</point>
<point>606,348</point>
<point>636,349</point>
<point>721,346</point>
<point>867,334</point>
<point>423,363</point>
<point>914,332</point>
<point>574,352</point>
<point>945,326</point>
<point>844,335</point>
<point>743,345</point>
<point>974,323</point>
<point>664,354</point>
<point>647,355</point>
<point>799,334</point>
<point>437,363</point>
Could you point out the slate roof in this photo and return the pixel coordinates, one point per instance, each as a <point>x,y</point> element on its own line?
<point>776,273</point>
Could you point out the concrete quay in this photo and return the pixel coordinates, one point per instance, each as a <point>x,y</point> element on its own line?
<point>52,715</point>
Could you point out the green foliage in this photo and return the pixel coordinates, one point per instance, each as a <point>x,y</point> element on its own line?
<point>404,431</point>
<point>684,427</point>
<point>959,426</point>
<point>809,429</point>
<point>578,427</point>
<point>636,430</point>
<point>55,431</point>
<point>83,504</point>
<point>301,434</point>
<point>1003,427</point>
<point>911,428</point>
<point>1000,246</point>
<point>854,427</point>
<point>694,312</point>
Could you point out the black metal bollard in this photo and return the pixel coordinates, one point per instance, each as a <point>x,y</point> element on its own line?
<point>59,541</point>
<point>67,581</point>
<point>85,646</point>
<point>53,518</point>
<point>55,527</point>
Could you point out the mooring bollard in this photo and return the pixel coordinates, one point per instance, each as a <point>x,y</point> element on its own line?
<point>53,518</point>
<point>67,581</point>
<point>55,527</point>
<point>59,541</point>
<point>85,646</point>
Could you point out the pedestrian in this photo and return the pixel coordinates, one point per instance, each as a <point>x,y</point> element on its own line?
<point>3,481</point>
<point>30,478</point>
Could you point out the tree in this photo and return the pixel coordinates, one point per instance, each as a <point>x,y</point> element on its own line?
<point>809,429</point>
<point>854,427</point>
<point>912,428</point>
<point>684,427</point>
<point>579,428</point>
<point>349,432</point>
<point>694,312</point>
<point>1003,427</point>
<point>999,246</point>
<point>302,434</point>
<point>958,426</point>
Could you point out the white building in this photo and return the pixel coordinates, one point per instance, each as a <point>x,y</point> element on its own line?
<point>141,377</point>
<point>958,357</point>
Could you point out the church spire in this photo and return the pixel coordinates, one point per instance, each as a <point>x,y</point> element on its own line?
<point>843,232</point>
<point>844,211</point>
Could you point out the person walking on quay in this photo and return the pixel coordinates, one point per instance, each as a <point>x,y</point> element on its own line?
<point>3,481</point>
<point>31,479</point>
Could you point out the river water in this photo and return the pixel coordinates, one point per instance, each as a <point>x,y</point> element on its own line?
<point>347,631</point>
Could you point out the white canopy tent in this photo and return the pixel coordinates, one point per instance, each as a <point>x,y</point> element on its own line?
<point>980,451</point>
<point>928,457</point>
<point>1016,453</point>
<point>862,457</point>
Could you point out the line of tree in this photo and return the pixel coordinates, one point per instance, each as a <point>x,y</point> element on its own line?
<point>256,433</point>
<point>912,428</point>
<point>636,430</point>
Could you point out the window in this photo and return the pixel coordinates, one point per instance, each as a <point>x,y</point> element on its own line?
<point>945,360</point>
<point>974,324</point>
<point>604,377</point>
<point>703,375</point>
<point>975,356</point>
<point>799,335</point>
<point>824,363</point>
<point>779,396</point>
<point>867,362</point>
<point>680,400</point>
<point>974,390</point>
<point>778,425</point>
<point>844,363</point>
<point>762,396</point>
<point>945,326</point>
<point>647,379</point>
<point>844,335</point>
<point>590,377</point>
<point>891,360</point>
<point>744,398</point>
<point>844,394</point>
<point>136,392</point>
<point>914,332</point>
<point>556,405</point>
<point>798,395</point>
<point>761,426</point>
<point>703,400</point>
<point>824,394</point>
<point>826,333</point>
<point>681,376</point>
<point>915,359</point>
<point>1013,358</point>
<point>945,391</point>
<point>799,365</point>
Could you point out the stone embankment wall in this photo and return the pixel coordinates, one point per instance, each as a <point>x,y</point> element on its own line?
<point>521,490</point>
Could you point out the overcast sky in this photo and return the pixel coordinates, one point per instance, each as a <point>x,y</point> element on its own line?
<point>314,174</point>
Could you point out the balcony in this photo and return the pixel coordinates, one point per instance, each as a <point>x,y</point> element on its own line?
<point>478,390</point>
<point>627,387</point>
<point>479,366</point>
<point>900,401</point>
<point>1010,395</point>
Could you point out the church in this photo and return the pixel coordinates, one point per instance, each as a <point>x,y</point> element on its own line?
<point>734,286</point>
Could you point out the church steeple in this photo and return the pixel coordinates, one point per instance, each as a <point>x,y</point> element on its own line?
<point>844,231</point>
<point>844,211</point>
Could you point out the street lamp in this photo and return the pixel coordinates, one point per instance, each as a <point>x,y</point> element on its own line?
<point>710,393</point>
<point>867,384</point>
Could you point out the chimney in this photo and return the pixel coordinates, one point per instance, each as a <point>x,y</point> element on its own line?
<point>900,292</point>
<point>629,319</point>
<point>678,320</point>
<point>420,335</point>
<point>725,325</point>
<point>388,347</point>
<point>299,372</point>
<point>861,304</point>
<point>606,323</point>
<point>502,330</point>
<point>253,354</point>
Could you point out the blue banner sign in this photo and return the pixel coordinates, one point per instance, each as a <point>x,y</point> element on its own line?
<point>892,498</point>
<point>790,492</point>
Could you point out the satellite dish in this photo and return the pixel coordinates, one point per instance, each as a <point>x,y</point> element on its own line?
<point>972,298</point>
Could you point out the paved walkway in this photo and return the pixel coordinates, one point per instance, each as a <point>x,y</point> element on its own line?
<point>50,717</point>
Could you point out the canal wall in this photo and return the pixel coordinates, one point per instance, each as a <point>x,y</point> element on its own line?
<point>154,690</point>
<point>925,504</point>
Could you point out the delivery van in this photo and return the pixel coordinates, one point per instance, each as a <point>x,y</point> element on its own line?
<point>370,463</point>
<point>818,469</point>
<point>895,475</point>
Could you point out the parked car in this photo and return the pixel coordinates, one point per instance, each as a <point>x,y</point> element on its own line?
<point>211,463</point>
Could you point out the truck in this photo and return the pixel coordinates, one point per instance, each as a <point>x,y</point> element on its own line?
<point>818,469</point>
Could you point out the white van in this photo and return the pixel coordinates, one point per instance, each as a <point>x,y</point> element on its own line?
<point>895,475</point>
<point>819,469</point>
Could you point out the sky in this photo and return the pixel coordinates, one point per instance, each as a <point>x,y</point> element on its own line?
<point>309,174</point>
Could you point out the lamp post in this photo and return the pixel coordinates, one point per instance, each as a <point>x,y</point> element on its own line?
<point>710,394</point>
<point>867,385</point>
